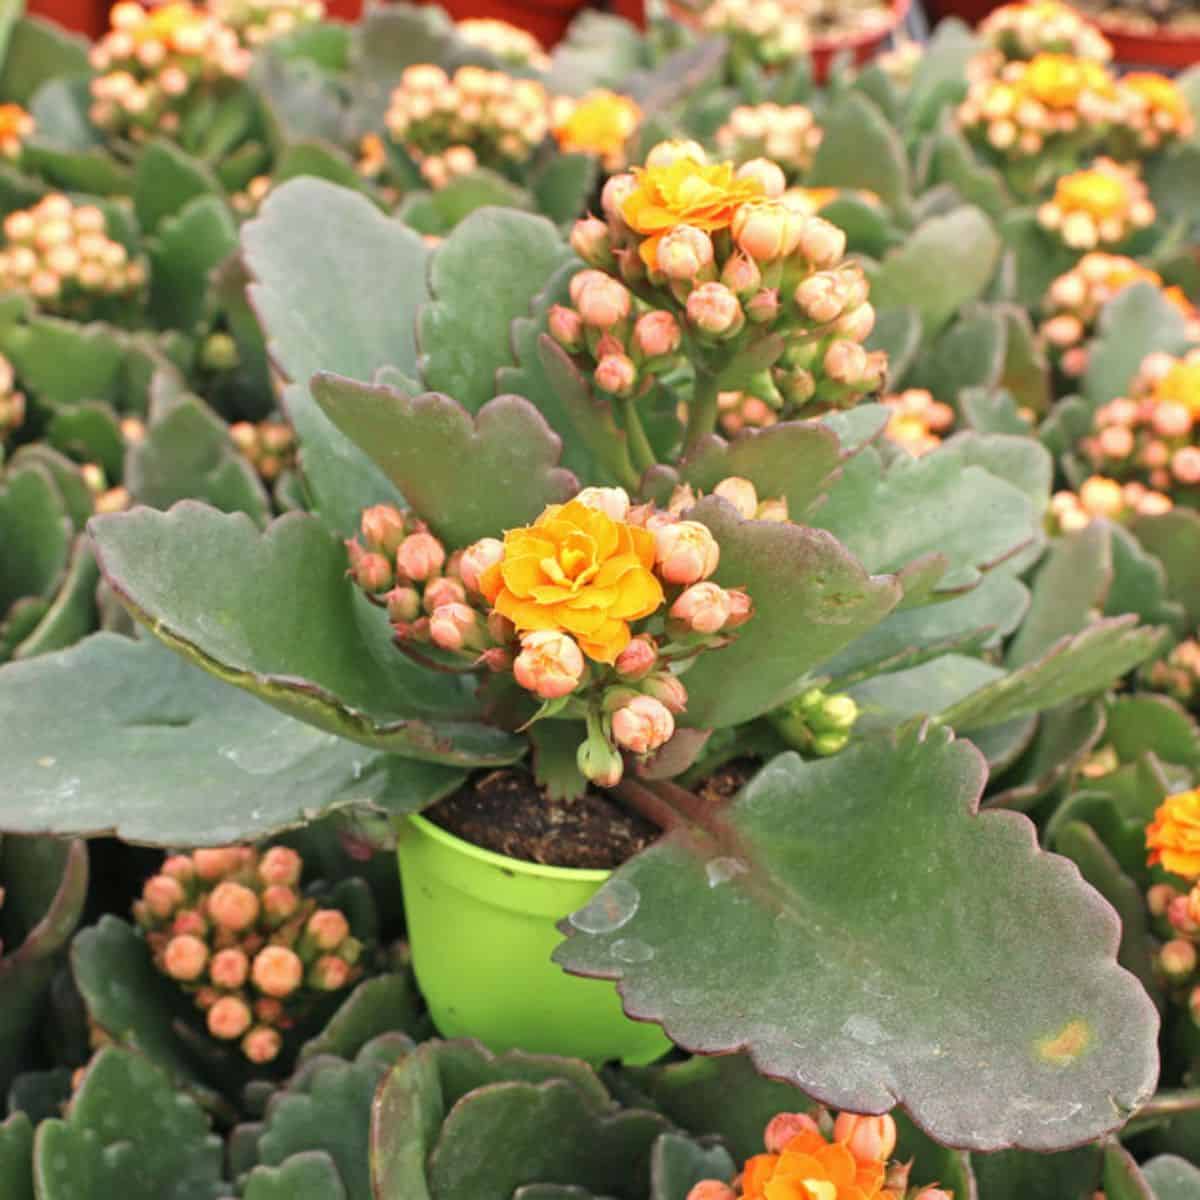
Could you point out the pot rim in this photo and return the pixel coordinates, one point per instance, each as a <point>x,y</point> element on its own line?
<point>513,866</point>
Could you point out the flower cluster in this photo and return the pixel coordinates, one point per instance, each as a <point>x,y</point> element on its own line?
<point>785,133</point>
<point>152,63</point>
<point>713,258</point>
<point>589,609</point>
<point>1101,206</point>
<point>1100,497</point>
<point>1075,299</point>
<point>509,43</point>
<point>232,928</point>
<point>1027,107</point>
<point>816,722</point>
<point>1178,674</point>
<point>258,21</point>
<point>12,401</point>
<point>600,123</point>
<point>1023,30</point>
<point>772,32</point>
<point>450,126</point>
<point>61,254</point>
<point>1155,112</point>
<point>1173,842</point>
<point>1151,434</point>
<point>16,126</point>
<point>817,1157</point>
<point>270,446</point>
<point>917,421</point>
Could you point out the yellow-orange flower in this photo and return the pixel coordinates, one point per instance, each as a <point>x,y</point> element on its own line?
<point>1173,837</point>
<point>810,1168</point>
<point>15,125</point>
<point>1180,385</point>
<point>165,24</point>
<point>1101,194</point>
<point>1058,80</point>
<point>1160,95</point>
<point>685,192</point>
<point>578,571</point>
<point>601,123</point>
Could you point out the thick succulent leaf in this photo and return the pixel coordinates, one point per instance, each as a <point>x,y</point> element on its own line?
<point>1026,375</point>
<point>1150,722</point>
<point>63,362</point>
<point>274,613</point>
<point>423,443</point>
<point>311,1175</point>
<point>384,1004</point>
<point>189,246</point>
<point>129,1134</point>
<point>869,882</point>
<point>811,599</point>
<point>437,213</point>
<point>165,180</point>
<point>35,534</point>
<point>562,187</point>
<point>1073,1175</point>
<point>1172,1178</point>
<point>16,1157</point>
<point>861,149</point>
<point>505,256</point>
<point>897,332</point>
<point>932,1163</point>
<point>970,354</point>
<point>599,50</point>
<point>678,1163</point>
<point>124,737</point>
<point>1120,1175</point>
<point>74,491</point>
<point>73,612</point>
<point>1174,539</point>
<point>38,50</point>
<point>951,161</point>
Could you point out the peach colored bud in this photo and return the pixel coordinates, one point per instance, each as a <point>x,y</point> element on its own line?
<point>613,501</point>
<point>477,558</point>
<point>1177,959</point>
<point>590,240</point>
<point>820,298</point>
<point>822,242</point>
<point>455,627</point>
<point>704,608</point>
<point>382,528</point>
<point>185,957</point>
<point>685,552</point>
<point>1116,441</point>
<point>229,969</point>
<point>656,334</point>
<point>616,374</point>
<point>739,492</point>
<point>444,590</point>
<point>684,253</point>
<point>934,1193</point>
<point>420,557</point>
<point>741,275</point>
<point>262,1045</point>
<point>1185,465</point>
<point>637,659</point>
<point>775,511</point>
<point>668,689</point>
<point>1194,903</point>
<point>328,928</point>
<point>763,307</point>
<point>178,866</point>
<point>1180,917</point>
<point>190,921</point>
<point>228,1018</point>
<point>277,971</point>
<point>785,1126</point>
<point>869,1139</point>
<point>614,195</point>
<point>602,301</point>
<point>1063,331</point>
<point>279,902</point>
<point>501,629</point>
<point>550,664</point>
<point>1101,497</point>
<point>403,605</point>
<point>741,609</point>
<point>1171,419</point>
<point>769,175</point>
<point>280,864</point>
<point>1156,454</point>
<point>714,309</point>
<point>163,895</point>
<point>642,725</point>
<point>372,572</point>
<point>328,974</point>
<point>711,1189</point>
<point>845,362</point>
<point>1159,897</point>
<point>671,151</point>
<point>857,323</point>
<point>566,328</point>
<point>233,906</point>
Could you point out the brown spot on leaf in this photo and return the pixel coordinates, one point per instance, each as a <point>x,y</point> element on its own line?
<point>1063,1048</point>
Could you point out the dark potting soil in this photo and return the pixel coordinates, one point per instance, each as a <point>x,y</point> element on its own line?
<point>507,812</point>
<point>727,780</point>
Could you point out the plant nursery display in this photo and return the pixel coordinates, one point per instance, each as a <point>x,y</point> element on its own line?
<point>616,622</point>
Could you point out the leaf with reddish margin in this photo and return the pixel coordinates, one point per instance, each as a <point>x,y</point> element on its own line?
<point>468,477</point>
<point>811,598</point>
<point>274,613</point>
<point>872,938</point>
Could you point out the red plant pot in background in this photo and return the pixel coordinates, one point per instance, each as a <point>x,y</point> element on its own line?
<point>863,46</point>
<point>547,20</point>
<point>1162,49</point>
<point>971,11</point>
<point>89,17</point>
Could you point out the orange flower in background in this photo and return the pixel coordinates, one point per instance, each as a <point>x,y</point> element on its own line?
<point>810,1168</point>
<point>577,571</point>
<point>1058,80</point>
<point>1173,837</point>
<point>1101,194</point>
<point>1181,385</point>
<point>601,124</point>
<point>15,125</point>
<point>1160,95</point>
<point>685,192</point>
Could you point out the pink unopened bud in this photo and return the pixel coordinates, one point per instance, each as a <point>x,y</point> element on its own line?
<point>601,300</point>
<point>638,659</point>
<point>821,242</point>
<point>599,762</point>
<point>329,974</point>
<point>163,895</point>
<point>704,608</point>
<point>229,969</point>
<point>233,906</point>
<point>212,864</point>
<point>684,253</point>
<point>277,971</point>
<point>1185,465</point>
<point>711,1189</point>
<point>766,230</point>
<point>616,374</point>
<point>477,558</point>
<point>372,571</point>
<point>228,1018</point>
<point>845,362</point>
<point>190,921</point>
<point>934,1193</point>
<point>566,328</point>
<point>785,1126</point>
<point>550,664</point>
<point>383,528</point>
<point>279,902</point>
<point>613,501</point>
<point>1171,419</point>
<point>741,275</point>
<point>614,194</point>
<point>1180,917</point>
<point>656,334</point>
<point>741,609</point>
<point>686,552</point>
<point>714,309</point>
<point>262,1045</point>
<point>857,323</point>
<point>1159,897</point>
<point>763,307</point>
<point>420,557</point>
<point>769,175</point>
<point>178,866</point>
<point>185,957</point>
<point>642,725</point>
<point>456,627</point>
<point>443,590</point>
<point>591,241</point>
<point>1177,959</point>
<point>328,928</point>
<point>403,605</point>
<point>667,688</point>
<point>869,1139</point>
<point>1116,441</point>
<point>741,493</point>
<point>280,864</point>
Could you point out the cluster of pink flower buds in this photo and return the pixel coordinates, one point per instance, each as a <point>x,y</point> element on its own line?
<point>918,421</point>
<point>404,568</point>
<point>233,929</point>
<point>106,498</point>
<point>1178,674</point>
<point>1098,497</point>
<point>1176,919</point>
<point>16,125</point>
<point>153,62</point>
<point>258,21</point>
<point>61,254</point>
<point>773,32</point>
<point>12,401</point>
<point>509,43</point>
<point>1022,30</point>
<point>1151,435</point>
<point>738,410</point>
<point>1101,206</point>
<point>1156,113</point>
<point>270,446</point>
<point>1075,299</point>
<point>450,126</point>
<point>786,134</point>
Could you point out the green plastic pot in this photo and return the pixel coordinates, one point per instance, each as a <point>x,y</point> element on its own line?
<point>482,929</point>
